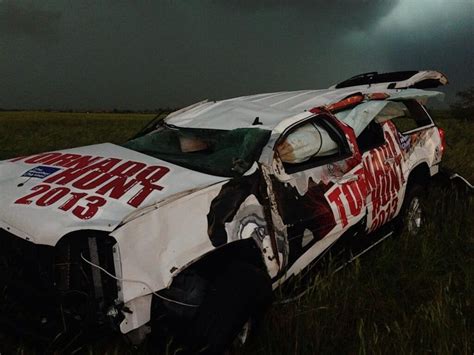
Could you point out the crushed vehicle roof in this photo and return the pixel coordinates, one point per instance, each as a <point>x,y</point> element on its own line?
<point>272,108</point>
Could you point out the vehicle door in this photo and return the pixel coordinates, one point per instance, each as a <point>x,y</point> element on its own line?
<point>382,161</point>
<point>318,185</point>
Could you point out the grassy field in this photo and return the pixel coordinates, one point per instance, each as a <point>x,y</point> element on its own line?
<point>23,133</point>
<point>410,295</point>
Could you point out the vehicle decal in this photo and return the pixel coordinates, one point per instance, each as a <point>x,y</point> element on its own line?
<point>308,217</point>
<point>241,210</point>
<point>405,141</point>
<point>102,178</point>
<point>40,172</point>
<point>225,206</point>
<point>348,198</point>
<point>249,222</point>
<point>384,174</point>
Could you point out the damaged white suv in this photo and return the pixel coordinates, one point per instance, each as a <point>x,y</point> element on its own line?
<point>194,221</point>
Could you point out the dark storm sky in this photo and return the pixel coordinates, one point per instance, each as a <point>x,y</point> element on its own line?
<point>144,54</point>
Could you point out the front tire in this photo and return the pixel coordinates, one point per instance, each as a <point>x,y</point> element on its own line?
<point>240,292</point>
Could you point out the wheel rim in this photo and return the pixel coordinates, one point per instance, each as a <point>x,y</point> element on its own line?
<point>244,333</point>
<point>414,219</point>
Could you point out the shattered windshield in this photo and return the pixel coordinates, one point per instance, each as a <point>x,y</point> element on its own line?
<point>226,153</point>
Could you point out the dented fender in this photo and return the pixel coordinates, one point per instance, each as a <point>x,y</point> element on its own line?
<point>157,246</point>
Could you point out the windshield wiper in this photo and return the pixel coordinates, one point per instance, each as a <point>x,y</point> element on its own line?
<point>150,126</point>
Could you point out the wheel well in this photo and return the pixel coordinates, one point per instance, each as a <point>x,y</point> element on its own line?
<point>420,175</point>
<point>245,250</point>
<point>190,285</point>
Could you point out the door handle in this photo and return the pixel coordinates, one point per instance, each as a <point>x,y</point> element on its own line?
<point>348,178</point>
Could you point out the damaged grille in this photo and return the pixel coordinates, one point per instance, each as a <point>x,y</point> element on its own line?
<point>46,291</point>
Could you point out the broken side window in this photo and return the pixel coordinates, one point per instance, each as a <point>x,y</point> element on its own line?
<point>414,117</point>
<point>359,117</point>
<point>371,137</point>
<point>366,119</point>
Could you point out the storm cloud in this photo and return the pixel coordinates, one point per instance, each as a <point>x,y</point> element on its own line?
<point>147,54</point>
<point>18,18</point>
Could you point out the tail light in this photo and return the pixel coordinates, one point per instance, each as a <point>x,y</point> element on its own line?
<point>442,136</point>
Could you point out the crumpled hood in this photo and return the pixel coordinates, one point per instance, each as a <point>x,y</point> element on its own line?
<point>45,196</point>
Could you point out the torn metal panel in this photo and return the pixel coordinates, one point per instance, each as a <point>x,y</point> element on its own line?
<point>423,79</point>
<point>137,314</point>
<point>359,117</point>
<point>157,245</point>
<point>422,96</point>
<point>250,222</point>
<point>448,176</point>
<point>278,232</point>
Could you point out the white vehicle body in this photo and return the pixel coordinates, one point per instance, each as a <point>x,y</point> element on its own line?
<point>158,212</point>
